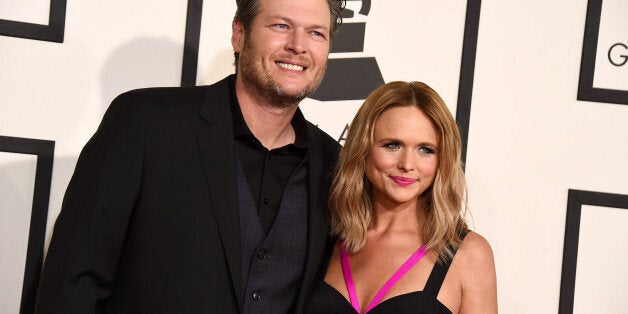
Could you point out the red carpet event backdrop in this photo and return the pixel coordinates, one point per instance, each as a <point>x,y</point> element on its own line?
<point>539,90</point>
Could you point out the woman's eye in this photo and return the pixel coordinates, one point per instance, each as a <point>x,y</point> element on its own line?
<point>392,146</point>
<point>426,150</point>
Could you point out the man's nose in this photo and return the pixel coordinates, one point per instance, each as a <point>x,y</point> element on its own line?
<point>297,42</point>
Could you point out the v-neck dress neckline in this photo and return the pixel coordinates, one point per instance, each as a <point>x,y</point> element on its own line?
<point>348,277</point>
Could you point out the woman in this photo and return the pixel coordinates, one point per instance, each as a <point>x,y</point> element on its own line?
<point>396,209</point>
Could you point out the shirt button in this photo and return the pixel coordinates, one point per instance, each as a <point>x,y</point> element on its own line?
<point>262,255</point>
<point>256,296</point>
<point>266,201</point>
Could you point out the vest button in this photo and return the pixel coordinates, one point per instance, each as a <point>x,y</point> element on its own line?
<point>266,201</point>
<point>262,255</point>
<point>256,296</point>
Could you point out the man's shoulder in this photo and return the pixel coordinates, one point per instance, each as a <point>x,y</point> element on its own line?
<point>161,94</point>
<point>152,98</point>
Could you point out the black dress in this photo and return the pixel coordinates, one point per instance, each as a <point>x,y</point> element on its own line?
<point>327,300</point>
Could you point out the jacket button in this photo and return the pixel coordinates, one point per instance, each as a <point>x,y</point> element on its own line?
<point>262,255</point>
<point>256,296</point>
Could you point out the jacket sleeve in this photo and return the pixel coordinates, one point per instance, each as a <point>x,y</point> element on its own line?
<point>81,265</point>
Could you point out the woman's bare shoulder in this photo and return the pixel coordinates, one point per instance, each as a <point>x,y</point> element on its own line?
<point>475,248</point>
<point>475,265</point>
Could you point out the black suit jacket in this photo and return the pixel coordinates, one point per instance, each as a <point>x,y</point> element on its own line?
<point>149,222</point>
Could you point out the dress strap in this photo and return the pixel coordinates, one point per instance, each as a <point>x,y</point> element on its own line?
<point>353,296</point>
<point>437,276</point>
<point>346,272</point>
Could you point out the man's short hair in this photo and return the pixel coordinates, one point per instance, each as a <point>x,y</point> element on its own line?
<point>248,9</point>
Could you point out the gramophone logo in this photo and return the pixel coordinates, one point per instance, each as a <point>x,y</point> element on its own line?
<point>349,77</point>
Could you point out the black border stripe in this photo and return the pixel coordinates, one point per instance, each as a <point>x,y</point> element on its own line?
<point>39,212</point>
<point>467,71</point>
<point>53,32</point>
<point>192,41</point>
<point>586,91</point>
<point>575,200</point>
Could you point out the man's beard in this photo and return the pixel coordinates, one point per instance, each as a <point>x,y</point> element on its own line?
<point>268,89</point>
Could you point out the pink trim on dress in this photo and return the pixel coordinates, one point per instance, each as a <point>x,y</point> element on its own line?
<point>353,295</point>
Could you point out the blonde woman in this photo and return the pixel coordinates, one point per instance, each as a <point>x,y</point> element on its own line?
<point>397,212</point>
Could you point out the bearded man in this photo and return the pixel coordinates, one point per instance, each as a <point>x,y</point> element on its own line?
<point>205,199</point>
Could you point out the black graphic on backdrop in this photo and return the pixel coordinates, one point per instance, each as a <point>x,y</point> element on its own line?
<point>586,91</point>
<point>618,54</point>
<point>44,150</point>
<point>52,32</point>
<point>575,201</point>
<point>352,39</point>
<point>350,78</point>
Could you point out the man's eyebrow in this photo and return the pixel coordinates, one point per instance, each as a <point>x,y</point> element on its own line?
<point>291,21</point>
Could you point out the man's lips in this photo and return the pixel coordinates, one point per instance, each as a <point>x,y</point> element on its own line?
<point>403,181</point>
<point>293,66</point>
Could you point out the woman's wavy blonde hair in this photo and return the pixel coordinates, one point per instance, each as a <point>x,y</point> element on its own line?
<point>350,196</point>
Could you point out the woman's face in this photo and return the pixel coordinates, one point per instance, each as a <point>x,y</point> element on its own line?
<point>403,160</point>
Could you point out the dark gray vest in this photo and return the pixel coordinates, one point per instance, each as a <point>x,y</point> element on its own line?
<point>272,264</point>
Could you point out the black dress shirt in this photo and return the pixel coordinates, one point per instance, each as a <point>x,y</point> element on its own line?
<point>267,171</point>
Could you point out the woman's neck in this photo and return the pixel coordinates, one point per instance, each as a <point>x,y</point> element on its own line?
<point>400,218</point>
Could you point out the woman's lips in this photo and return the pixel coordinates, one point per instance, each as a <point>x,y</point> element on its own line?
<point>403,181</point>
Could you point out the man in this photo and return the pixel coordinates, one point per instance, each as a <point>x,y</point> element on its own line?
<point>205,199</point>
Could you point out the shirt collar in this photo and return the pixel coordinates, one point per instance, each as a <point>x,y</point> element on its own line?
<point>242,131</point>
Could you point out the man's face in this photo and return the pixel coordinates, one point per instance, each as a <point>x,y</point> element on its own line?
<point>284,53</point>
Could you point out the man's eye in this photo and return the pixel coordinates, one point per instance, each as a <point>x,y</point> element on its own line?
<point>281,26</point>
<point>319,35</point>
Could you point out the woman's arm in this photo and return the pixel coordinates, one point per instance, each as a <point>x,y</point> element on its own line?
<point>479,286</point>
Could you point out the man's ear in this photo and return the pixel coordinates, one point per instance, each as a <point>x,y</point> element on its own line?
<point>237,35</point>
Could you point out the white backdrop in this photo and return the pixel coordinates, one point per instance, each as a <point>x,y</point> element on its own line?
<point>530,139</point>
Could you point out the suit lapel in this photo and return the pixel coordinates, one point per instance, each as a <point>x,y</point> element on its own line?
<point>216,146</point>
<point>317,227</point>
